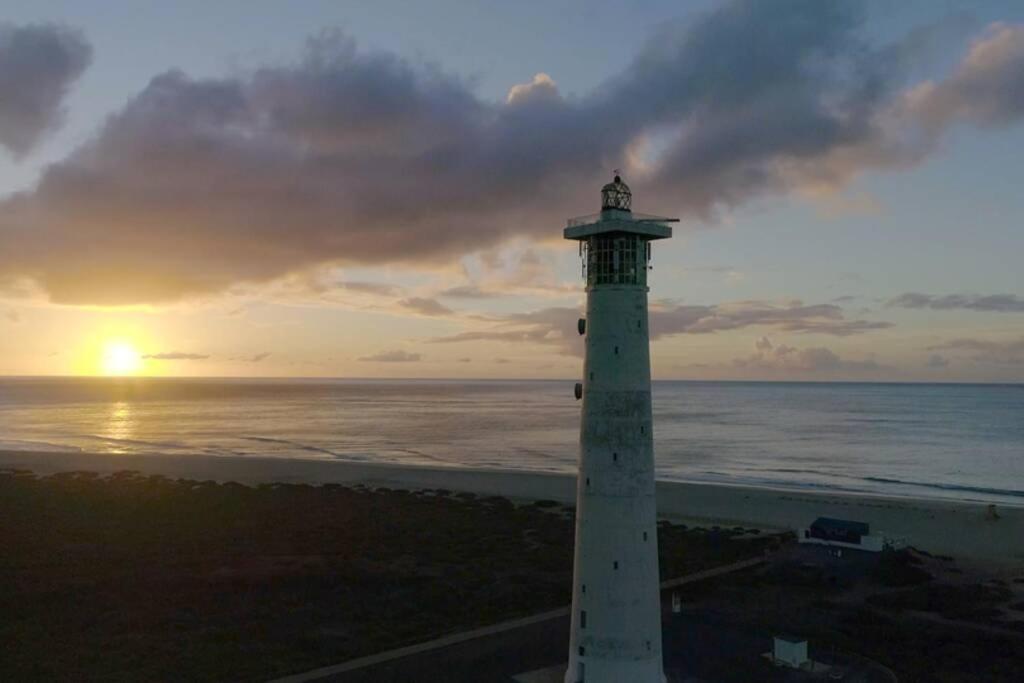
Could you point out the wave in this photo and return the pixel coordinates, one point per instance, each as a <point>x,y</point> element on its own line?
<point>1014,493</point>
<point>138,442</point>
<point>869,484</point>
<point>37,447</point>
<point>295,444</point>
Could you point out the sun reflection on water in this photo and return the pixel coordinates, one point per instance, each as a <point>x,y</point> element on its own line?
<point>120,427</point>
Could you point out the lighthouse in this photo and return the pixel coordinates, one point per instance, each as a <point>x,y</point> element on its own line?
<point>616,611</point>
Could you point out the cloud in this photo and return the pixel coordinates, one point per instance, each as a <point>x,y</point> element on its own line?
<point>350,157</point>
<point>937,361</point>
<point>12,317</point>
<point>38,64</point>
<point>667,319</point>
<point>817,359</point>
<point>988,351</point>
<point>428,307</point>
<point>542,86</point>
<point>999,303</point>
<point>986,89</point>
<point>393,357</point>
<point>557,325</point>
<point>513,269</point>
<point>176,355</point>
<point>466,292</point>
<point>376,288</point>
<point>259,357</point>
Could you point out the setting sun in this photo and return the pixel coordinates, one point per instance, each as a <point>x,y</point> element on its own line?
<point>120,358</point>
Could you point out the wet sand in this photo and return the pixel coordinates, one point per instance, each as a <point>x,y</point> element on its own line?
<point>965,530</point>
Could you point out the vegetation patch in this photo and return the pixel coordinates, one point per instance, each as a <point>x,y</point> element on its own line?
<point>148,578</point>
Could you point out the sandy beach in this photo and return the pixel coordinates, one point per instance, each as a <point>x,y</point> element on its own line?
<point>964,530</point>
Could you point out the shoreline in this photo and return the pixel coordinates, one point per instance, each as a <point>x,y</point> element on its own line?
<point>961,529</point>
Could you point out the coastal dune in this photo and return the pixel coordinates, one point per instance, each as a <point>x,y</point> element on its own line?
<point>962,529</point>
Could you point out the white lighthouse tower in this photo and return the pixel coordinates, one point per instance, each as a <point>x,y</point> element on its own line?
<point>616,612</point>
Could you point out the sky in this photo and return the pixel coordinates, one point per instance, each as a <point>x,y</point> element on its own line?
<point>378,189</point>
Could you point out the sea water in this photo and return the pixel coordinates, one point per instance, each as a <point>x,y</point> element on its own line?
<point>914,440</point>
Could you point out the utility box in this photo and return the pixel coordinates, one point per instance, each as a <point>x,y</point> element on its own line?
<point>790,651</point>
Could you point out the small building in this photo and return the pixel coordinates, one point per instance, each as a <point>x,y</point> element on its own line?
<point>842,533</point>
<point>790,651</point>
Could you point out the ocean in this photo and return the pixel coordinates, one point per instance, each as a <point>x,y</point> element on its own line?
<point>909,440</point>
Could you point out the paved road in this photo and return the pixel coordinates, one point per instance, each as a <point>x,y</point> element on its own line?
<point>494,653</point>
<point>494,658</point>
<point>699,645</point>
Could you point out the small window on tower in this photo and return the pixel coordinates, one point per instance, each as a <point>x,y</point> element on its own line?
<point>615,564</point>
<point>583,618</point>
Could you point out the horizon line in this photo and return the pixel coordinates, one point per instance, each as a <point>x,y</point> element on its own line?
<point>503,379</point>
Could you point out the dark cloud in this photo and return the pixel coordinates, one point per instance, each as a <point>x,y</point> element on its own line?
<point>176,355</point>
<point>393,357</point>
<point>557,325</point>
<point>362,158</point>
<point>999,303</point>
<point>988,351</point>
<point>428,307</point>
<point>937,361</point>
<point>38,64</point>
<point>259,357</point>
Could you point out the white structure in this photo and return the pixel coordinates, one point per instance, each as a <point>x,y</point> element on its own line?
<point>790,651</point>
<point>616,612</point>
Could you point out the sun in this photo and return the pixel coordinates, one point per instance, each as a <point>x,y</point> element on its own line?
<point>120,358</point>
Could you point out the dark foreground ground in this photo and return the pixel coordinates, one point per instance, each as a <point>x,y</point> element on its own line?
<point>150,579</point>
<point>868,619</point>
